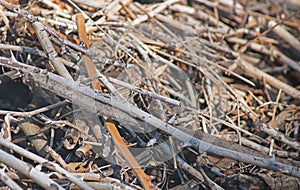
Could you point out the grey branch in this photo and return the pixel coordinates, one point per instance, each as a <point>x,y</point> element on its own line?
<point>28,170</point>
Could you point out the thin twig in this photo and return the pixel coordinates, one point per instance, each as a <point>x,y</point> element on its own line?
<point>27,170</point>
<point>34,112</point>
<point>8,181</point>
<point>12,161</point>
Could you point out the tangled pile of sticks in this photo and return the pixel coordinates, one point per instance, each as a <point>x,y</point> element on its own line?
<point>199,94</point>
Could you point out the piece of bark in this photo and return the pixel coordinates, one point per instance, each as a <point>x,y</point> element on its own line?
<point>38,141</point>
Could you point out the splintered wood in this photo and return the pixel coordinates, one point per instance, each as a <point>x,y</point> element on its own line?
<point>174,94</point>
